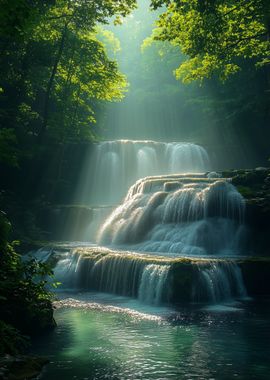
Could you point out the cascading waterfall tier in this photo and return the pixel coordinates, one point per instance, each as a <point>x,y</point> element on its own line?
<point>116,165</point>
<point>152,279</point>
<point>178,214</point>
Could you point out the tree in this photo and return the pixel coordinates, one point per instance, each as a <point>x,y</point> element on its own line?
<point>54,70</point>
<point>81,18</point>
<point>217,36</point>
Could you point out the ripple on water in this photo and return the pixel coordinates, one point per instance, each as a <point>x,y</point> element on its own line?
<point>112,341</point>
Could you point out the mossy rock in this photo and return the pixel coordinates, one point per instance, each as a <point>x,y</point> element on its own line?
<point>182,279</point>
<point>246,191</point>
<point>29,318</point>
<point>247,177</point>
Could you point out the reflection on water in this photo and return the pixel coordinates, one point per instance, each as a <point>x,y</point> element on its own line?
<point>106,337</point>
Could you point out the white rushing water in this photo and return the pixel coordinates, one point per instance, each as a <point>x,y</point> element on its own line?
<point>150,279</point>
<point>123,274</point>
<point>115,165</point>
<point>219,281</point>
<point>154,287</point>
<point>178,215</point>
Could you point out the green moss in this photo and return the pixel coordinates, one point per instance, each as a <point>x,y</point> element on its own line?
<point>98,252</point>
<point>232,173</point>
<point>247,192</point>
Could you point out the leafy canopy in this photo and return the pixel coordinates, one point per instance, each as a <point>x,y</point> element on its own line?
<point>217,36</point>
<point>55,69</point>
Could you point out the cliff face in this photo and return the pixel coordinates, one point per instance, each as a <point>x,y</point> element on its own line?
<point>254,185</point>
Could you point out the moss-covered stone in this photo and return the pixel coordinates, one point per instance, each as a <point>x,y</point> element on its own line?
<point>182,279</point>
<point>184,271</point>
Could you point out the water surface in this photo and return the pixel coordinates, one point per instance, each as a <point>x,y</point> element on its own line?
<point>107,337</point>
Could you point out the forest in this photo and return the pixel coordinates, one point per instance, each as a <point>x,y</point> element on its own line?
<point>134,163</point>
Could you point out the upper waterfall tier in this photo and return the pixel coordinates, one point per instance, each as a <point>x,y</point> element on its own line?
<point>116,165</point>
<point>178,214</point>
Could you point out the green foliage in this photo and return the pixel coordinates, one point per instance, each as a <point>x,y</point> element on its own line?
<point>12,341</point>
<point>216,36</point>
<point>55,72</point>
<point>25,303</point>
<point>5,228</point>
<point>109,40</point>
<point>8,151</point>
<point>25,280</point>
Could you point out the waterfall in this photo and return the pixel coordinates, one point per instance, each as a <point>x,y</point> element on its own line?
<point>219,282</point>
<point>173,208</point>
<point>115,165</point>
<point>154,287</point>
<point>67,269</point>
<point>178,214</point>
<point>111,273</point>
<point>119,274</point>
<point>99,216</point>
<point>127,275</point>
<point>151,279</point>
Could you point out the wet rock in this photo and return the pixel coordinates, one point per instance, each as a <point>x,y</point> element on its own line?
<point>254,185</point>
<point>21,367</point>
<point>256,274</point>
<point>182,274</point>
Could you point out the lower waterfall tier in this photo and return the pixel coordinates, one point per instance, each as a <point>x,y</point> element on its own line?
<point>151,279</point>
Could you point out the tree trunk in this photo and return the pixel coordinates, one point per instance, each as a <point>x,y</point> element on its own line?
<point>50,84</point>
